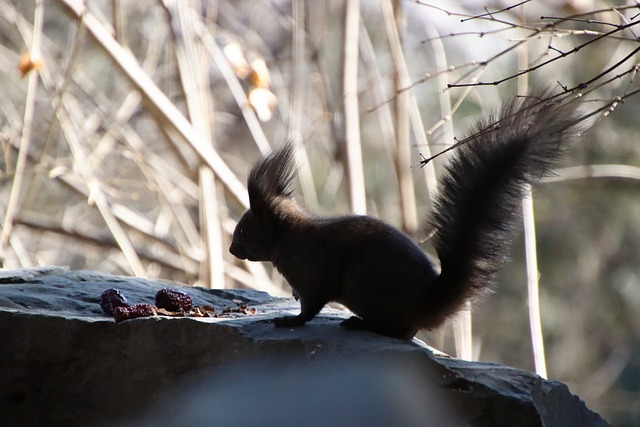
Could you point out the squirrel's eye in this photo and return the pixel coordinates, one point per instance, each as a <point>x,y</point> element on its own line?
<point>242,232</point>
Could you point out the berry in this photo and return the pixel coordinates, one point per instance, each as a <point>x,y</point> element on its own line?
<point>111,299</point>
<point>172,300</point>
<point>136,310</point>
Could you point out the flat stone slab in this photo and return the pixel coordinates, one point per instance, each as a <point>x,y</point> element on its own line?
<point>63,362</point>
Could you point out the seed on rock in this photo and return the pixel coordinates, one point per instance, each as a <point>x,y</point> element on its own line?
<point>136,310</point>
<point>111,299</point>
<point>173,300</point>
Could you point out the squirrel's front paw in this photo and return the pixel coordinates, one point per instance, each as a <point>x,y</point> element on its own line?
<point>288,321</point>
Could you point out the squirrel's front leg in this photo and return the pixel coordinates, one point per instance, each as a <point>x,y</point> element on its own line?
<point>309,308</point>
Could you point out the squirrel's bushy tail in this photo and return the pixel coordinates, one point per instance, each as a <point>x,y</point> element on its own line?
<point>482,189</point>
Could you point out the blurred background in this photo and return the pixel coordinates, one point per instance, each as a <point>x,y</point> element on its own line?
<point>128,129</point>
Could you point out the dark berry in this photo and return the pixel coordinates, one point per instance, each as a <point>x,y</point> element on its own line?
<point>173,300</point>
<point>112,298</point>
<point>136,310</point>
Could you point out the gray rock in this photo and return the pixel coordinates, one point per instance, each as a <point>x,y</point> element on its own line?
<point>64,363</point>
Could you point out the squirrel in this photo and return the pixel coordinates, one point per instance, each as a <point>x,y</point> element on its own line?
<point>374,269</point>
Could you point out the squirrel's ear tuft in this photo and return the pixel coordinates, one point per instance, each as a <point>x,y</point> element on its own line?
<point>271,177</point>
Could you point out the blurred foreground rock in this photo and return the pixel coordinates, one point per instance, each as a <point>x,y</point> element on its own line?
<point>63,362</point>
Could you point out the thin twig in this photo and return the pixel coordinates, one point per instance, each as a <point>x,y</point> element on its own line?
<point>493,13</point>
<point>27,127</point>
<point>556,58</point>
<point>413,110</point>
<point>613,171</point>
<point>402,156</point>
<point>355,169</point>
<point>299,89</point>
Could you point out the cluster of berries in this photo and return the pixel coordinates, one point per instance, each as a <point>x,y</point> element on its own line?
<point>114,303</point>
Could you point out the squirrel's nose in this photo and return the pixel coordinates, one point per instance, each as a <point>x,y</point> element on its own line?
<point>237,251</point>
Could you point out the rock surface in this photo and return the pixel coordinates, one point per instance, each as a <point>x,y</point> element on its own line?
<point>63,362</point>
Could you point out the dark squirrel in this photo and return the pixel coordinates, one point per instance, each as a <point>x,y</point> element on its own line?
<point>375,270</point>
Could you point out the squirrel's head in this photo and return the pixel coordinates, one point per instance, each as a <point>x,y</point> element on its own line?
<point>253,239</point>
<point>269,184</point>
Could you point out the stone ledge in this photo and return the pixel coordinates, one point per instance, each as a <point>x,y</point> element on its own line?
<point>65,362</point>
